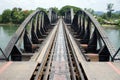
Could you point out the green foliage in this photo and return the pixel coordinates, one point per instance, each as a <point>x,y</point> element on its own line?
<point>104,16</point>
<point>100,20</point>
<point>42,9</point>
<point>0,18</point>
<point>114,20</point>
<point>118,22</point>
<point>109,8</point>
<point>55,9</point>
<point>25,13</point>
<point>109,15</point>
<point>114,16</point>
<point>16,15</point>
<point>6,16</point>
<point>66,8</point>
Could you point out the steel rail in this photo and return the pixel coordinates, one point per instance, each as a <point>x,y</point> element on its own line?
<point>45,66</point>
<point>45,53</point>
<point>69,58</point>
<point>46,73</point>
<point>82,76</point>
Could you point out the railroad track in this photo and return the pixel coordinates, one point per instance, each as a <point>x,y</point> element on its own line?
<point>60,62</point>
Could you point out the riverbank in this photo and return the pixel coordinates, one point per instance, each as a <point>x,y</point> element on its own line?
<point>8,24</point>
<point>111,26</point>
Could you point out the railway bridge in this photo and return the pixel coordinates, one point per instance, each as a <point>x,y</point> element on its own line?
<point>51,47</point>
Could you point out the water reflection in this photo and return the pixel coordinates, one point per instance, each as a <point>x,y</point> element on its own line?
<point>114,36</point>
<point>6,33</point>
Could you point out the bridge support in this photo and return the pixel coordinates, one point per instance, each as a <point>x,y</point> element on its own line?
<point>33,35</point>
<point>50,14</point>
<point>86,37</point>
<point>72,14</point>
<point>104,54</point>
<point>16,54</point>
<point>39,28</point>
<point>76,26</point>
<point>28,46</point>
<point>92,45</point>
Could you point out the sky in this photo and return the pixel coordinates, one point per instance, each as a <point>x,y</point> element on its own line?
<point>97,5</point>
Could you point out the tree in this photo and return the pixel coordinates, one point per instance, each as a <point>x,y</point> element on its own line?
<point>17,15</point>
<point>26,13</point>
<point>0,18</point>
<point>104,16</point>
<point>42,9</point>
<point>109,8</point>
<point>55,9</point>
<point>66,8</point>
<point>6,16</point>
<point>100,20</point>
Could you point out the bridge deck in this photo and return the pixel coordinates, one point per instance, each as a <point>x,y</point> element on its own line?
<point>59,66</point>
<point>93,70</point>
<point>96,70</point>
<point>17,70</point>
<point>102,70</point>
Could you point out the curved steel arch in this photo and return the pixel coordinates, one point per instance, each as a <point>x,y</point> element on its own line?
<point>35,21</point>
<point>82,23</point>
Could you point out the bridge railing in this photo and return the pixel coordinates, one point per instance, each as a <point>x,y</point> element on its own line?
<point>92,36</point>
<point>28,36</point>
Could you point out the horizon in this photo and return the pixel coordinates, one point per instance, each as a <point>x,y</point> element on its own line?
<point>96,5</point>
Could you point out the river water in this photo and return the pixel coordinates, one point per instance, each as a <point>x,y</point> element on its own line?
<point>6,33</point>
<point>114,36</point>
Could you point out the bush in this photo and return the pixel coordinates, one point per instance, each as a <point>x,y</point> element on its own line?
<point>6,16</point>
<point>66,8</point>
<point>0,19</point>
<point>100,20</point>
<point>118,22</point>
<point>16,15</point>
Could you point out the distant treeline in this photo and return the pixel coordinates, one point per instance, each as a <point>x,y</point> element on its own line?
<point>17,15</point>
<point>113,20</point>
